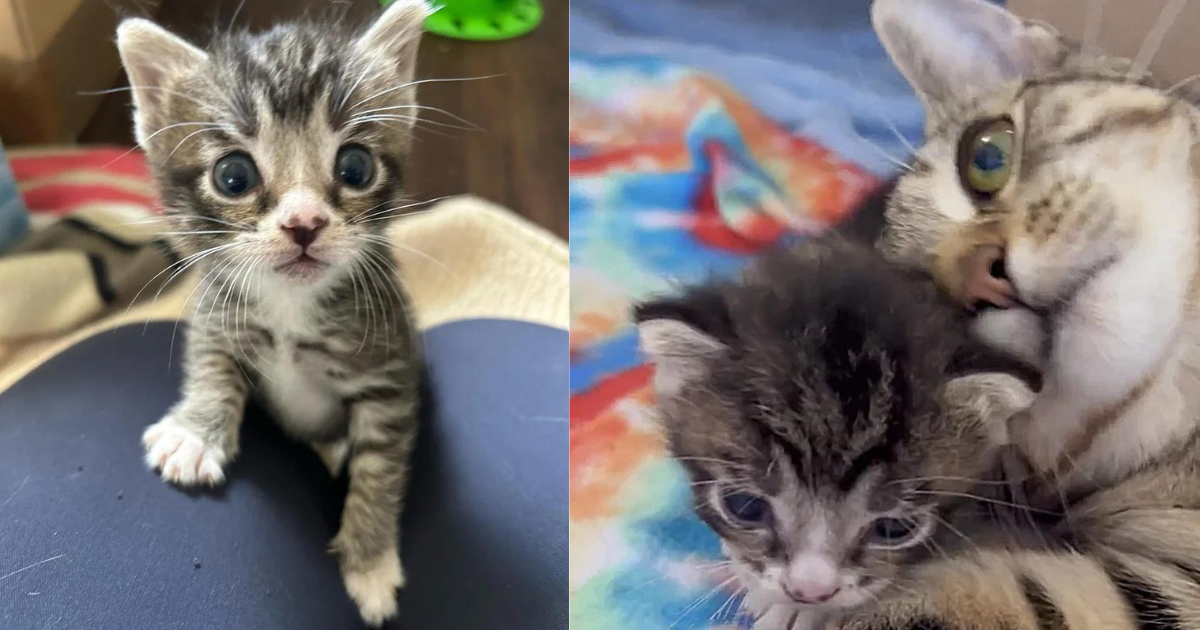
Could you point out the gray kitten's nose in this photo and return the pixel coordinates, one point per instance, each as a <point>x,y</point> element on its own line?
<point>303,233</point>
<point>818,595</point>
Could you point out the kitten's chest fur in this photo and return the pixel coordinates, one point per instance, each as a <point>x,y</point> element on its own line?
<point>294,378</point>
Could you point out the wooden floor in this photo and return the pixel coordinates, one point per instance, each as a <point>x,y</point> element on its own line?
<point>519,160</point>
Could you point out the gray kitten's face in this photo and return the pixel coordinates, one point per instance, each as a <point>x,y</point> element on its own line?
<point>814,412</point>
<point>279,152</point>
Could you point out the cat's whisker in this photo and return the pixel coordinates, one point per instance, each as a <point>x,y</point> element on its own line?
<point>189,136</point>
<point>186,262</point>
<point>884,154</point>
<point>862,80</point>
<point>412,83</point>
<point>409,249</point>
<point>130,88</point>
<point>1092,21</point>
<point>382,216</point>
<point>1155,37</point>
<point>969,480</point>
<point>360,217</point>
<point>198,232</point>
<point>175,328</point>
<point>700,601</point>
<point>416,120</point>
<point>974,497</point>
<point>1180,85</point>
<point>944,523</point>
<point>178,217</point>
<point>423,107</point>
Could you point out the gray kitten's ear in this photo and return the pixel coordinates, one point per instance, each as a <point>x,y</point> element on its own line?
<point>396,35</point>
<point>993,397</point>
<point>151,55</point>
<point>678,351</point>
<point>951,47</point>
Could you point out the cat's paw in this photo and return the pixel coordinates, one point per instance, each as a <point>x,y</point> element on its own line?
<point>182,456</point>
<point>373,587</point>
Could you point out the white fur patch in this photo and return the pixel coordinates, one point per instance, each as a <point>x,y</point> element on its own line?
<point>182,455</point>
<point>374,588</point>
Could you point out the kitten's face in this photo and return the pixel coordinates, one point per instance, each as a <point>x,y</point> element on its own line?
<point>818,425</point>
<point>279,152</point>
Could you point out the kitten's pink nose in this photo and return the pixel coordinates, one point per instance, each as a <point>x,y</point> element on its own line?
<point>812,579</point>
<point>304,227</point>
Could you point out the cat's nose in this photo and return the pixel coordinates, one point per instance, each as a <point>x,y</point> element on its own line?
<point>304,230</point>
<point>812,594</point>
<point>812,579</point>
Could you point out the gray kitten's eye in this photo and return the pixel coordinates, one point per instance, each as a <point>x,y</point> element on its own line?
<point>235,174</point>
<point>354,166</point>
<point>985,156</point>
<point>892,532</point>
<point>747,508</point>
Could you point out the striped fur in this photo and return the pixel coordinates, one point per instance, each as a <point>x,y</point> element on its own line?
<point>329,349</point>
<point>1101,199</point>
<point>840,391</point>
<point>1099,230</point>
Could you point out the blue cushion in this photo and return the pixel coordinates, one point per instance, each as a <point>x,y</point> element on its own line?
<point>485,532</point>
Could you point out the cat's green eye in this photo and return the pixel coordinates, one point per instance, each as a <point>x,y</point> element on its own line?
<point>985,156</point>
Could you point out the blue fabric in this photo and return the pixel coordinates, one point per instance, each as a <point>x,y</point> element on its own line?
<point>89,538</point>
<point>14,219</point>
<point>814,66</point>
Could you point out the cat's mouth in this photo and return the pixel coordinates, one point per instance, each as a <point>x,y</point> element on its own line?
<point>302,266</point>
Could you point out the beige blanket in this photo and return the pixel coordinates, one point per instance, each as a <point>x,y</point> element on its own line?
<point>466,259</point>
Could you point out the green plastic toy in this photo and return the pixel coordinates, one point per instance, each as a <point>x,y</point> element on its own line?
<point>483,19</point>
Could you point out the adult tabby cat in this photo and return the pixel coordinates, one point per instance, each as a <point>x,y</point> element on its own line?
<point>1063,187</point>
<point>278,159</point>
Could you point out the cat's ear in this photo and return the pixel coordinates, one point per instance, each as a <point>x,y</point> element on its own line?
<point>679,338</point>
<point>396,35</point>
<point>151,55</point>
<point>950,47</point>
<point>991,397</point>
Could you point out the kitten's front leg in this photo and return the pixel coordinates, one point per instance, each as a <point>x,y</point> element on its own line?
<point>199,435</point>
<point>383,429</point>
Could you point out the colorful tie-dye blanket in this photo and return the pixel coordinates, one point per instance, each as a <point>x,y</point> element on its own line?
<point>674,178</point>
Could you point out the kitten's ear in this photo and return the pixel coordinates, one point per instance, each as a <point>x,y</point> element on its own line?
<point>949,47</point>
<point>992,397</point>
<point>397,34</point>
<point>678,339</point>
<point>151,55</point>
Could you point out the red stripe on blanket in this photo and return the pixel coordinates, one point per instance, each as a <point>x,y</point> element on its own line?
<point>591,402</point>
<point>711,228</point>
<point>62,198</point>
<point>115,161</point>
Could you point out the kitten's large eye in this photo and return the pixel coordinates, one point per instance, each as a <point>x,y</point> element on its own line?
<point>235,174</point>
<point>892,532</point>
<point>985,157</point>
<point>747,508</point>
<point>354,167</point>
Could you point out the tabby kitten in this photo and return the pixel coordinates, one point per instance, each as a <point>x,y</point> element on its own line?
<point>827,406</point>
<point>278,158</point>
<point>1061,188</point>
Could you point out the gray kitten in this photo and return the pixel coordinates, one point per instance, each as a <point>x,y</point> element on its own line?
<point>827,407</point>
<point>278,157</point>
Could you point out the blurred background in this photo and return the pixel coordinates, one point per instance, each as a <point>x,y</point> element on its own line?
<point>52,51</point>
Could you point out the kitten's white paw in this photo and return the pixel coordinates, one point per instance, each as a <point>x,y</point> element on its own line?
<point>374,587</point>
<point>181,455</point>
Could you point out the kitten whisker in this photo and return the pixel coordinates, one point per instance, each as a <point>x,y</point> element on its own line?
<point>884,154</point>
<point>975,497</point>
<point>359,217</point>
<point>415,120</point>
<point>412,250</point>
<point>412,83</point>
<point>700,600</point>
<point>186,262</point>
<point>423,107</point>
<point>130,88</point>
<point>189,136</point>
<point>1183,83</point>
